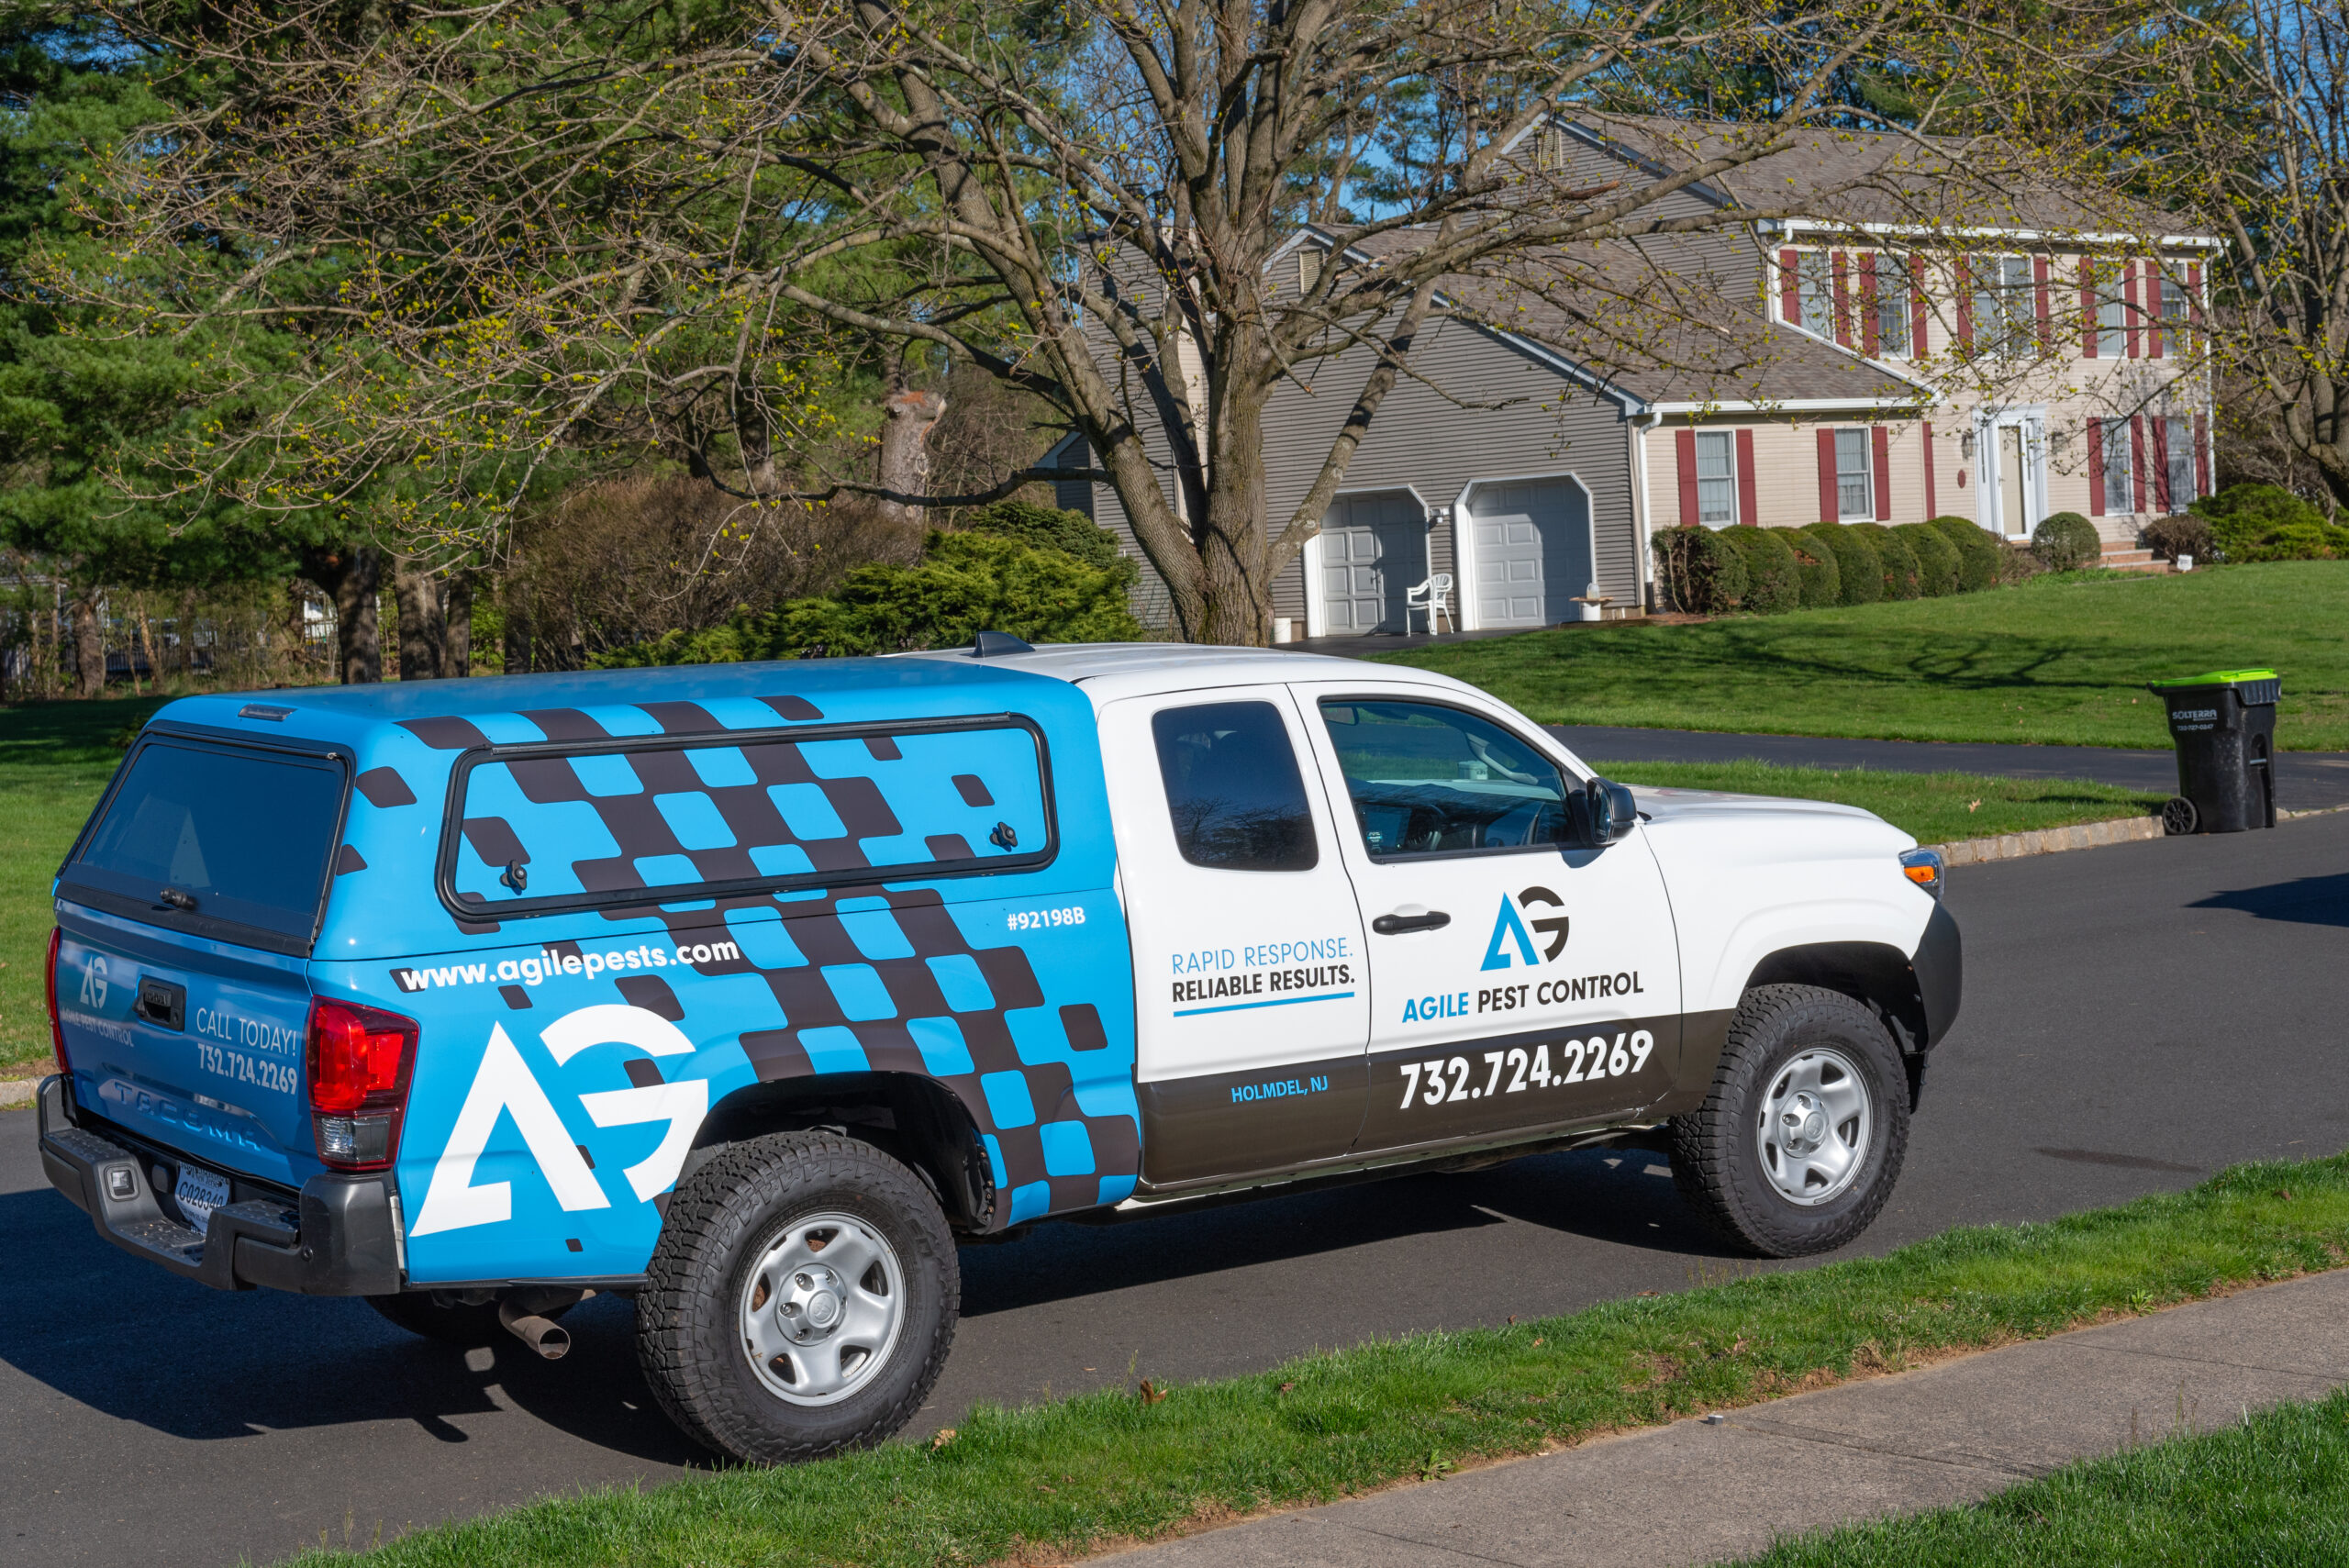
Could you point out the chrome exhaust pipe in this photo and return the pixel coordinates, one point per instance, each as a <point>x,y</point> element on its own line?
<point>519,1314</point>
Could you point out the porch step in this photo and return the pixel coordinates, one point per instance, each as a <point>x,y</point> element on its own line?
<point>2121,558</point>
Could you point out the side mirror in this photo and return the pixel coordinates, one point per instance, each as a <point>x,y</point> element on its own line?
<point>1611,811</point>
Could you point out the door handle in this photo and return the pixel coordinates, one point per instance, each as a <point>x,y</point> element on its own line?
<point>1394,925</point>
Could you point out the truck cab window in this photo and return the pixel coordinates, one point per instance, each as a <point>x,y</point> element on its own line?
<point>1427,780</point>
<point>1232,788</point>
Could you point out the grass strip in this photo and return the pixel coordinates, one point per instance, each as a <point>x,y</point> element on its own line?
<point>1939,809</point>
<point>2266,1489</point>
<point>2058,661</point>
<point>1107,1465</point>
<point>54,760</point>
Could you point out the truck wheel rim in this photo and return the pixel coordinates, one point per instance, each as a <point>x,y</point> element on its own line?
<point>821,1308</point>
<point>1813,1130</point>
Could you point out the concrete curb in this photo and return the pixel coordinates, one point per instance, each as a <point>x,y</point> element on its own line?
<point>18,1091</point>
<point>2050,840</point>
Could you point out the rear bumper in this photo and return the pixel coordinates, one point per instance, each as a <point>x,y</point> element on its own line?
<point>339,1237</point>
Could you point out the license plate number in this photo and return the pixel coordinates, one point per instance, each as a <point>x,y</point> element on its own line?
<point>200,1193</point>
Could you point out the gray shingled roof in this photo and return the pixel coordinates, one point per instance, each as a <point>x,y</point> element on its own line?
<point>1851,176</point>
<point>1650,320</point>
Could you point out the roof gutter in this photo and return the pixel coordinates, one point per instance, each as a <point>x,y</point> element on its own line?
<point>1789,227</point>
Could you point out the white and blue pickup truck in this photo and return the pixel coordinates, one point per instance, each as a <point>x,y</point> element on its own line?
<point>746,990</point>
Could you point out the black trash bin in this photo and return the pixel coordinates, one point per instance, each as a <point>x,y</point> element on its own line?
<point>2224,724</point>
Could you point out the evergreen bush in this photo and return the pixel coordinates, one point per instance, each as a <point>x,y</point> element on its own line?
<point>1938,563</point>
<point>1774,580</point>
<point>1900,568</point>
<point>1859,569</point>
<point>1978,553</point>
<point>2267,522</point>
<point>2067,541</point>
<point>2185,534</point>
<point>1822,573</point>
<point>1700,574</point>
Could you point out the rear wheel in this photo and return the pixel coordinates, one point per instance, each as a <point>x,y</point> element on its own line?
<point>1797,1148</point>
<point>802,1299</point>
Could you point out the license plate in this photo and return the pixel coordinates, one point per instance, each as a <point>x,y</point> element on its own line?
<point>200,1193</point>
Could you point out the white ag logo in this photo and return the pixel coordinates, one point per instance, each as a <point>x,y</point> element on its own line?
<point>94,983</point>
<point>504,1084</point>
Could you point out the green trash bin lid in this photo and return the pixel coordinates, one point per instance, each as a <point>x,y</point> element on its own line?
<point>2218,678</point>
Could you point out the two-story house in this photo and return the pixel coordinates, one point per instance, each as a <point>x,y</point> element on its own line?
<point>1886,340</point>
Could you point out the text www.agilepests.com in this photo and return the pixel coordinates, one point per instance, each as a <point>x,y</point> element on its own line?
<point>545,963</point>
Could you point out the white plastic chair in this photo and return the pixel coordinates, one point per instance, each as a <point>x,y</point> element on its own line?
<point>1430,598</point>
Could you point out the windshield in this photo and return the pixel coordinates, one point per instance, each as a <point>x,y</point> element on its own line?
<point>199,833</point>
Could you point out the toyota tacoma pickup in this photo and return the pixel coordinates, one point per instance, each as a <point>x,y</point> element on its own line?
<point>750,991</point>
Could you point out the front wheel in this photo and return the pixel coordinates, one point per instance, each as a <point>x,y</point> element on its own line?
<point>1797,1146</point>
<point>801,1301</point>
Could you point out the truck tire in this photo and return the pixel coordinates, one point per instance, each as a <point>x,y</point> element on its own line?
<point>1801,1138</point>
<point>765,1349</point>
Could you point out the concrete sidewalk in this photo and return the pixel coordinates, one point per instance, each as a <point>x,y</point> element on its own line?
<point>1693,1493</point>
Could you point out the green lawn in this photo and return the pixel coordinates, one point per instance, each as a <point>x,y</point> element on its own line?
<point>54,759</point>
<point>1046,1481</point>
<point>2265,1489</point>
<point>2059,660</point>
<point>1939,809</point>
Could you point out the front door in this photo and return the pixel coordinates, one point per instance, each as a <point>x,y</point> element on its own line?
<point>1516,983</point>
<point>1374,551</point>
<point>1251,1005</point>
<point>2011,485</point>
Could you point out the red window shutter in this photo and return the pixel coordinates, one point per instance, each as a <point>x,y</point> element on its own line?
<point>1790,285</point>
<point>1933,508</point>
<point>1916,308</point>
<point>2160,467</point>
<point>1964,304</point>
<point>1830,511</point>
<point>1882,486</point>
<point>2137,463</point>
<point>1840,266</point>
<point>1749,504</point>
<point>2153,332</point>
<point>2087,308</point>
<point>1867,305</point>
<point>2128,305</point>
<point>2096,468</point>
<point>2201,454</point>
<point>1684,443</point>
<point>2039,277</point>
<point>2194,310</point>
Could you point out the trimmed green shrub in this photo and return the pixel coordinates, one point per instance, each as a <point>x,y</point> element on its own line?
<point>1937,559</point>
<point>1051,528</point>
<point>2184,533</point>
<point>1773,581</point>
<point>2067,541</point>
<point>965,584</point>
<point>1978,553</point>
<point>1859,569</point>
<point>1900,570</point>
<point>1702,575</point>
<point>2267,522</point>
<point>1822,573</point>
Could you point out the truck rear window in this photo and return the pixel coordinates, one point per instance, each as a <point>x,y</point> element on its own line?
<point>243,835</point>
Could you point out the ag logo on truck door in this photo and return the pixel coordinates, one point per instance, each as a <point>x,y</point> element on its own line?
<point>503,1083</point>
<point>1512,940</point>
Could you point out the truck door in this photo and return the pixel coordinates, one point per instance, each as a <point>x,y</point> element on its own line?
<point>1517,982</point>
<point>1250,1007</point>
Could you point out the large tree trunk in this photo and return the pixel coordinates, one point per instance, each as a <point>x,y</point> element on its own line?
<point>89,645</point>
<point>413,592</point>
<point>905,452</point>
<point>457,625</point>
<point>514,598</point>
<point>352,577</point>
<point>1238,590</point>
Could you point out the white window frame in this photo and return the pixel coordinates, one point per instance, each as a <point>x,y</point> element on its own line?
<point>1893,285</point>
<point>1862,439</point>
<point>2119,468</point>
<point>1721,486</point>
<point>1815,293</point>
<point>2111,326</point>
<point>2178,442</point>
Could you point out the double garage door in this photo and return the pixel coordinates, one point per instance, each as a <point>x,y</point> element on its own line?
<point>1533,551</point>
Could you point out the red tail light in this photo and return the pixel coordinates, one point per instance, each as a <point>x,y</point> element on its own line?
<point>359,1060</point>
<point>48,979</point>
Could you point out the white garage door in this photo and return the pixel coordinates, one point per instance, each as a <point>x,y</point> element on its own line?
<point>1533,551</point>
<point>1374,551</point>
